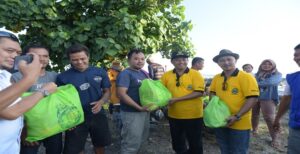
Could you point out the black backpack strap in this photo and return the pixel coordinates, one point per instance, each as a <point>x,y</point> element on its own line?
<point>146,74</point>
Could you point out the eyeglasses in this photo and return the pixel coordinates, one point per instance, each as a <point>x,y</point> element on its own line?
<point>224,84</point>
<point>9,35</point>
<point>177,82</point>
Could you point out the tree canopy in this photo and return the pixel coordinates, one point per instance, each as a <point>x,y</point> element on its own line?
<point>108,27</point>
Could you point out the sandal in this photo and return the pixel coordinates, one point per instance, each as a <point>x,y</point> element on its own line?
<point>254,133</point>
<point>275,144</point>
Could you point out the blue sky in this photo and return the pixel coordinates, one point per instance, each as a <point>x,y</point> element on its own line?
<point>255,29</point>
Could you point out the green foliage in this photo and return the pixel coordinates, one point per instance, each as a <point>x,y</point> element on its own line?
<point>108,27</point>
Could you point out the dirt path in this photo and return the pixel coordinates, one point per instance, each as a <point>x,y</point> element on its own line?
<point>159,141</point>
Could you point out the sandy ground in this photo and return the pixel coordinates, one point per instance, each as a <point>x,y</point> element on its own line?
<point>159,141</point>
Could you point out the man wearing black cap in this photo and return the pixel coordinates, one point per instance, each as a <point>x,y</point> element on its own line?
<point>185,107</point>
<point>239,91</point>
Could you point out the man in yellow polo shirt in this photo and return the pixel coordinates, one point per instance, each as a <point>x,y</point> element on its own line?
<point>185,108</point>
<point>239,91</point>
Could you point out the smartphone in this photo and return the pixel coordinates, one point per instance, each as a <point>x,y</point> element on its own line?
<point>27,58</point>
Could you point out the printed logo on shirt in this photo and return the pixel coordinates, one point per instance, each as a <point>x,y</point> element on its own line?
<point>37,86</point>
<point>234,91</point>
<point>98,78</point>
<point>139,82</point>
<point>190,87</point>
<point>84,86</point>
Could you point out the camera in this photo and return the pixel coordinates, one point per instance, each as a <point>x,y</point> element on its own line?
<point>27,58</point>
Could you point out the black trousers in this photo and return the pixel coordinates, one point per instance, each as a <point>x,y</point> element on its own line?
<point>189,130</point>
<point>53,145</point>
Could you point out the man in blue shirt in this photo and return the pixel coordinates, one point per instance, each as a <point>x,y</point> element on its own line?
<point>93,87</point>
<point>135,118</point>
<point>290,100</point>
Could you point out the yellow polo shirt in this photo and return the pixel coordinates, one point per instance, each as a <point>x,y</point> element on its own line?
<point>239,86</point>
<point>190,81</point>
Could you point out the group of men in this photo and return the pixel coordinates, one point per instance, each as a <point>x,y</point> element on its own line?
<point>91,83</point>
<point>236,88</point>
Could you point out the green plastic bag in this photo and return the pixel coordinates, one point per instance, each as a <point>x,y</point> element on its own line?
<point>216,113</point>
<point>154,94</point>
<point>55,113</point>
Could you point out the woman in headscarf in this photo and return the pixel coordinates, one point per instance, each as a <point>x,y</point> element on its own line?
<point>268,79</point>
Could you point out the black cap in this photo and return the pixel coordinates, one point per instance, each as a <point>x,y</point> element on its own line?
<point>179,54</point>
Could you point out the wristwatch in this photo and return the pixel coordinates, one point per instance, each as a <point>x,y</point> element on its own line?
<point>238,117</point>
<point>44,92</point>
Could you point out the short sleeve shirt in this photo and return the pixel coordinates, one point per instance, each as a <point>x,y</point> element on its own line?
<point>89,84</point>
<point>48,77</point>
<point>234,93</point>
<point>132,80</point>
<point>287,89</point>
<point>189,82</point>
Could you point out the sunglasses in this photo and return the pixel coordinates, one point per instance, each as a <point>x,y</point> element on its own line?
<point>224,84</point>
<point>9,35</point>
<point>177,80</point>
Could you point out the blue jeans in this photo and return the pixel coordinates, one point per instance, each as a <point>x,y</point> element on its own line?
<point>293,141</point>
<point>232,141</point>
